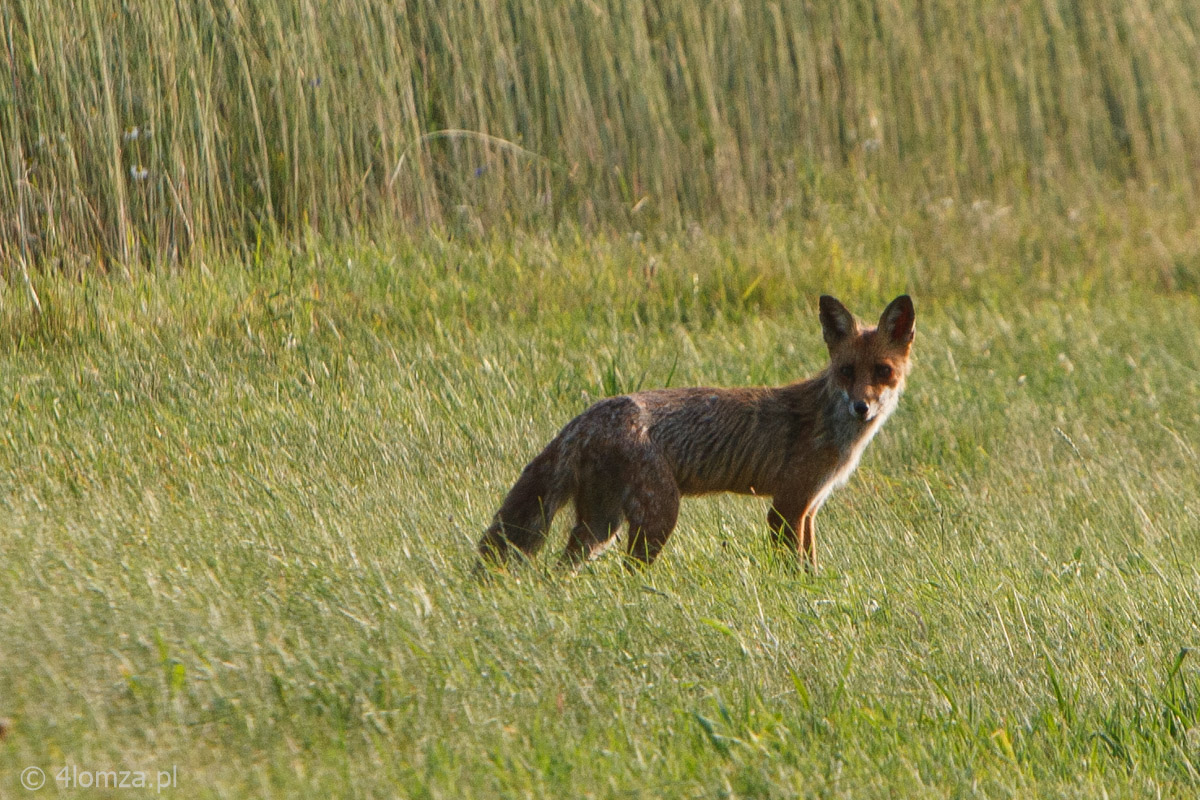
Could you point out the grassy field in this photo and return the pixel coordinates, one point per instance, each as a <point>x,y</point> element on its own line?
<point>240,503</point>
<point>290,292</point>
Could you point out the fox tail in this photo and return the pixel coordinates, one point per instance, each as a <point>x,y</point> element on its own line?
<point>523,519</point>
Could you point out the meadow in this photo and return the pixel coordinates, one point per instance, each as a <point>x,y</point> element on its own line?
<point>240,508</point>
<point>290,293</point>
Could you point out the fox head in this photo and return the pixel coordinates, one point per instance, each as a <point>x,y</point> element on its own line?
<point>868,365</point>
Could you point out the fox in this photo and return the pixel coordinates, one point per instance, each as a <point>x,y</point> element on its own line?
<point>630,459</point>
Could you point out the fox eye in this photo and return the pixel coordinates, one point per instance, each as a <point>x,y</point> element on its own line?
<point>847,372</point>
<point>883,373</point>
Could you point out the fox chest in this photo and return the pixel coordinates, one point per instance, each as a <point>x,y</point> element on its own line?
<point>811,478</point>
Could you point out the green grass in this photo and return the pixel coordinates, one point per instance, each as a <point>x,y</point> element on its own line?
<point>290,291</point>
<point>239,506</point>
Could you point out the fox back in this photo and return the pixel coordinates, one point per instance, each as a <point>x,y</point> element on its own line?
<point>631,458</point>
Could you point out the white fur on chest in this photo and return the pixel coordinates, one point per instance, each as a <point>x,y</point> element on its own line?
<point>851,452</point>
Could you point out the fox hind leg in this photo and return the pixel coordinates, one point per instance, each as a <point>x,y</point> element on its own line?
<point>652,509</point>
<point>598,516</point>
<point>607,472</point>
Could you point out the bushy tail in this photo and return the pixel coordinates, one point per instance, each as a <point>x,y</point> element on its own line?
<point>525,516</point>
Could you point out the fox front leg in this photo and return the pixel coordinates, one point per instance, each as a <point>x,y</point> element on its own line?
<point>808,539</point>
<point>793,526</point>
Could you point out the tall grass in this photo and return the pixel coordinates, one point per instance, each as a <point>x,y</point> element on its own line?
<point>166,131</point>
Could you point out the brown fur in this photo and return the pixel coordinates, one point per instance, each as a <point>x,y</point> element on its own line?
<point>631,458</point>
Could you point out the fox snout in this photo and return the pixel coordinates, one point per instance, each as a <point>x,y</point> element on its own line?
<point>863,409</point>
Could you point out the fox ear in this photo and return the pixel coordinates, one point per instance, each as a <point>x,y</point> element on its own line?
<point>899,320</point>
<point>836,322</point>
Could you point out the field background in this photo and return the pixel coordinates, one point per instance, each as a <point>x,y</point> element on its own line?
<point>289,292</point>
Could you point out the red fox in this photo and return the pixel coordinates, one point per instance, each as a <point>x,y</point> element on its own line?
<point>631,458</point>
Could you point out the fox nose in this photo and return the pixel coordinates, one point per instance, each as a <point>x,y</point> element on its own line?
<point>860,409</point>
